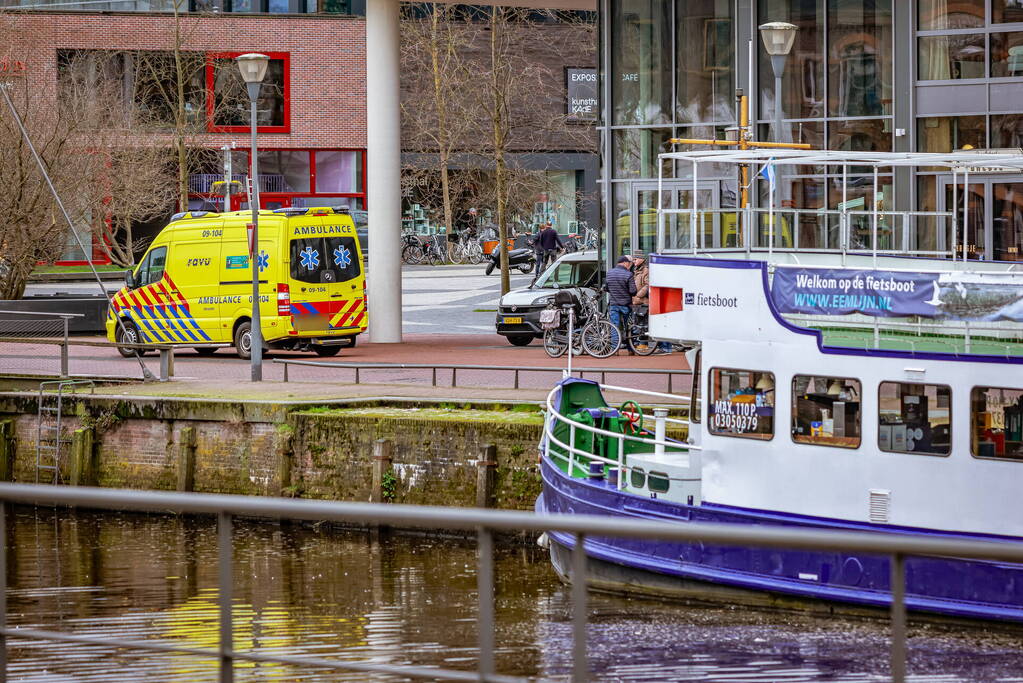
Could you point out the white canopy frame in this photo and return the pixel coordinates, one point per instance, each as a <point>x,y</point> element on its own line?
<point>956,162</point>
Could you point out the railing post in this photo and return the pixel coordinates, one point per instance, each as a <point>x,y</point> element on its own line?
<point>571,447</point>
<point>3,590</point>
<point>224,550</point>
<point>64,365</point>
<point>516,378</point>
<point>579,668</point>
<point>898,654</point>
<point>356,375</point>
<point>485,606</point>
<point>621,463</point>
<point>454,377</point>
<point>285,371</point>
<point>966,336</point>
<point>434,376</point>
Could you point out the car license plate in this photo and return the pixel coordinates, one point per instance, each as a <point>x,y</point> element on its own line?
<point>513,321</point>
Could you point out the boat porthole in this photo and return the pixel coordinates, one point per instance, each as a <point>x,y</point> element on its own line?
<point>658,482</point>
<point>852,571</point>
<point>637,478</point>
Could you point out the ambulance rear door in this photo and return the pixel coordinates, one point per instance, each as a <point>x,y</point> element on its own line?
<point>327,287</point>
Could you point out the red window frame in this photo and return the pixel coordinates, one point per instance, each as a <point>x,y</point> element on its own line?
<point>211,95</point>
<point>313,190</point>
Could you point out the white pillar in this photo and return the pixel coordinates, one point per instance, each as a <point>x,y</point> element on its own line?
<point>383,170</point>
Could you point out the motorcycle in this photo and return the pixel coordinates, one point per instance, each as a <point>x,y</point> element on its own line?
<point>524,259</point>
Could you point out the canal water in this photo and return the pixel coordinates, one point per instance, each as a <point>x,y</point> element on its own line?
<point>327,592</point>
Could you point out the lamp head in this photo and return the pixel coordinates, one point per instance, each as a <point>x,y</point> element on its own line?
<point>252,66</point>
<point>778,37</point>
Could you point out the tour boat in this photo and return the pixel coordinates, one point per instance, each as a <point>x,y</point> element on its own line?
<point>845,386</point>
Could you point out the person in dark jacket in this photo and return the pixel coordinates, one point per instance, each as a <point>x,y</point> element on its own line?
<point>547,244</point>
<point>621,287</point>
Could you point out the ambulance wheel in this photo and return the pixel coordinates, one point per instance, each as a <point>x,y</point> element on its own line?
<point>326,351</point>
<point>243,340</point>
<point>205,350</point>
<point>129,334</point>
<point>520,339</point>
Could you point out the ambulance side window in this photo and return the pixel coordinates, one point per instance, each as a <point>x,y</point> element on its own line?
<point>151,268</point>
<point>324,259</point>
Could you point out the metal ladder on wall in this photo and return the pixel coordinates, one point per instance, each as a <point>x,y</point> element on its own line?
<point>50,440</point>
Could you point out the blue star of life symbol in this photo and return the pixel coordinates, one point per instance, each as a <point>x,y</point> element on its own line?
<point>310,258</point>
<point>263,260</point>
<point>342,257</point>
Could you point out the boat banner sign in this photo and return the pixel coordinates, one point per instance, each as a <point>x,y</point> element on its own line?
<point>827,291</point>
<point>831,291</point>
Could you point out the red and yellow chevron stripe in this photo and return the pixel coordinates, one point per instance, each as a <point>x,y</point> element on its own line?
<point>352,313</point>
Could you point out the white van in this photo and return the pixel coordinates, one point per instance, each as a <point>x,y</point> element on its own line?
<point>518,313</point>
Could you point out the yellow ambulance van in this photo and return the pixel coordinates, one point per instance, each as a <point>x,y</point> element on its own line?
<point>194,284</point>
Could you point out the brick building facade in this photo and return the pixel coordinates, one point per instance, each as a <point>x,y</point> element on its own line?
<point>324,93</point>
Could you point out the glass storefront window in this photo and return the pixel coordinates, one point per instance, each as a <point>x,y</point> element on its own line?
<point>1006,11</point>
<point>859,57</point>
<point>803,82</point>
<point>636,150</point>
<point>705,61</point>
<point>1006,54</point>
<point>865,135</point>
<point>943,58</point>
<point>996,423</point>
<point>805,132</point>
<point>284,171</point>
<point>622,221</point>
<point>939,15</point>
<point>338,171</point>
<point>915,418</point>
<point>1007,131</point>
<point>641,61</point>
<point>949,133</point>
<point>1007,222</point>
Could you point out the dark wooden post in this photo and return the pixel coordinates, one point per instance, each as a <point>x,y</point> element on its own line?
<point>486,476</point>
<point>383,458</point>
<point>186,459</point>
<point>82,470</point>
<point>8,450</point>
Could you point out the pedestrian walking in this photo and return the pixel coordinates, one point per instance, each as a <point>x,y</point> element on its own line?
<point>621,287</point>
<point>548,243</point>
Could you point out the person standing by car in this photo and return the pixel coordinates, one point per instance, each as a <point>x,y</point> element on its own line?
<point>621,287</point>
<point>548,242</point>
<point>641,302</point>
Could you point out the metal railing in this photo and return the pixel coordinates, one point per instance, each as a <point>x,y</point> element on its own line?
<point>41,328</point>
<point>906,233</point>
<point>484,523</point>
<point>659,443</point>
<point>454,368</point>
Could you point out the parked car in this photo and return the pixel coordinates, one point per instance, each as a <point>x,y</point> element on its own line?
<point>518,313</point>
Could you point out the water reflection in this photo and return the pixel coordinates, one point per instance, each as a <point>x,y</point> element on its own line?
<point>324,592</point>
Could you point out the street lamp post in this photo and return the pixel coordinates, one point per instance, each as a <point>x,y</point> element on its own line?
<point>253,68</point>
<point>778,37</point>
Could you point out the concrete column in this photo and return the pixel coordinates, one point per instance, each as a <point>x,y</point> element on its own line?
<point>383,170</point>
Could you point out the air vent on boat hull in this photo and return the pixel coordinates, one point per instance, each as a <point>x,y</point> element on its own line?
<point>880,502</point>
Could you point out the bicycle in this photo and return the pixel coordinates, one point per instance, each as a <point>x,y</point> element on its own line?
<point>637,332</point>
<point>592,332</point>
<point>411,249</point>
<point>467,250</point>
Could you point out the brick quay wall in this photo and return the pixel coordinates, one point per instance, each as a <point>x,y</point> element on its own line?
<point>300,450</point>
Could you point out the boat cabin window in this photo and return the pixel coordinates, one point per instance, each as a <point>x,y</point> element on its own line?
<point>826,411</point>
<point>658,482</point>
<point>741,403</point>
<point>996,423</point>
<point>914,418</point>
<point>637,477</point>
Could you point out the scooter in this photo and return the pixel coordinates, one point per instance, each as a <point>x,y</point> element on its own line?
<point>523,259</point>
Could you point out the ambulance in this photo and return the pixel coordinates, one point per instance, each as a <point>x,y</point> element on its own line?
<point>194,284</point>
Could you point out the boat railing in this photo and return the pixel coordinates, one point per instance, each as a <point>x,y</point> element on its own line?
<point>877,233</point>
<point>659,443</point>
<point>988,338</point>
